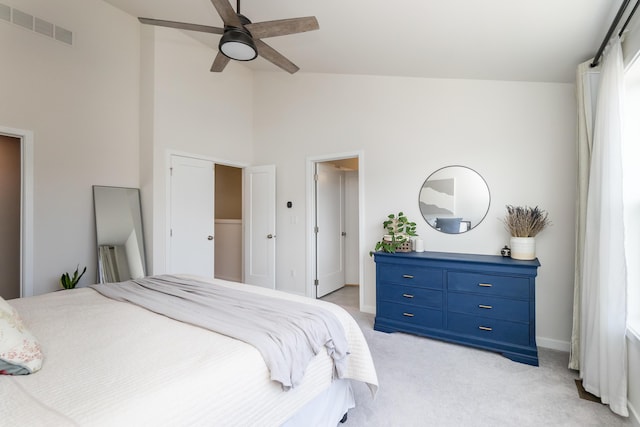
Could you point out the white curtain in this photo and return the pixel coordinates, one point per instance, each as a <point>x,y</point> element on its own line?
<point>587,80</point>
<point>603,355</point>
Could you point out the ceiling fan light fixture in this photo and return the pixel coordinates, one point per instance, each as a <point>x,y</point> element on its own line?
<point>236,44</point>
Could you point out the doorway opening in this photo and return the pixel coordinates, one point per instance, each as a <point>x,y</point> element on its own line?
<point>10,189</point>
<point>335,212</point>
<point>228,223</point>
<point>19,180</point>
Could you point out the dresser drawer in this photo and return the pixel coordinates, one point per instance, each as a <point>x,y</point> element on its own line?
<point>487,284</point>
<point>410,295</point>
<point>488,306</point>
<point>413,315</point>
<point>489,329</point>
<point>410,275</point>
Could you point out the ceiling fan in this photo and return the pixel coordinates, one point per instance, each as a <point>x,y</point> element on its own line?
<point>241,39</point>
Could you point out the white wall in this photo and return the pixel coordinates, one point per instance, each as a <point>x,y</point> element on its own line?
<point>81,102</point>
<point>519,136</point>
<point>194,111</point>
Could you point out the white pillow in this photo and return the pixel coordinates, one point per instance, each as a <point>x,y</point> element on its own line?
<point>20,353</point>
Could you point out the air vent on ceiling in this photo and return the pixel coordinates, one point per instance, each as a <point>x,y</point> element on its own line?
<point>63,35</point>
<point>23,19</point>
<point>43,27</point>
<point>35,24</point>
<point>5,12</point>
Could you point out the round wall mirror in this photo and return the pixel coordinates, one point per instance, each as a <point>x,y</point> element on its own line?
<point>454,199</point>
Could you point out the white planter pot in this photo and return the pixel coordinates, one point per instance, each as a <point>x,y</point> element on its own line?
<point>523,248</point>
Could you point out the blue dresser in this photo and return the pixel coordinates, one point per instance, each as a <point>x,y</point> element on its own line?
<point>483,301</point>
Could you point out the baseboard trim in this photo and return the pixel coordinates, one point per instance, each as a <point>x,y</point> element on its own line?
<point>368,309</point>
<point>633,415</point>
<point>553,344</point>
<point>229,278</point>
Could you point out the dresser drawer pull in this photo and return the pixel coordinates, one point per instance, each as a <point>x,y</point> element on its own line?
<point>488,307</point>
<point>485,285</point>
<point>407,276</point>
<point>407,295</point>
<point>408,314</point>
<point>485,328</point>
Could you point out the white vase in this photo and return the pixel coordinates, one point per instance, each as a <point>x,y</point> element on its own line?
<point>523,248</point>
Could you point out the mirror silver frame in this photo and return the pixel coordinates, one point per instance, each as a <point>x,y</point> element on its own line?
<point>454,199</point>
<point>119,233</point>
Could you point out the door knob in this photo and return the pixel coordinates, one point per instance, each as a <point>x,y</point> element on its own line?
<point>209,237</point>
<point>270,236</point>
<point>344,233</point>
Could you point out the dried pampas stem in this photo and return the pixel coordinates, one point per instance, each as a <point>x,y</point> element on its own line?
<point>524,221</point>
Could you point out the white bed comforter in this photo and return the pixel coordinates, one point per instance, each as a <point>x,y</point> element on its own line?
<point>287,334</point>
<point>109,363</point>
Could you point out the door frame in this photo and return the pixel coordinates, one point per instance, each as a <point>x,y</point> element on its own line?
<point>26,207</point>
<point>311,209</point>
<point>167,195</point>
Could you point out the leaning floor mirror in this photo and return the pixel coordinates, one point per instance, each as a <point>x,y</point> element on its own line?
<point>121,254</point>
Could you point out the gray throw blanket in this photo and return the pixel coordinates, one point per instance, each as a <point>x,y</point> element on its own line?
<point>288,334</point>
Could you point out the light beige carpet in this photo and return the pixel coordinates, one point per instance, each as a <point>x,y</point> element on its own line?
<point>425,382</point>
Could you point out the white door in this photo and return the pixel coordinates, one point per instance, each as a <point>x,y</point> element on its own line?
<point>329,229</point>
<point>351,221</point>
<point>259,217</point>
<point>192,217</point>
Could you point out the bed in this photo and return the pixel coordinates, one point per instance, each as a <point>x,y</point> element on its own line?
<point>113,363</point>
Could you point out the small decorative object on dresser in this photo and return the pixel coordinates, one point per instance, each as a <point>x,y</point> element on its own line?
<point>418,245</point>
<point>399,232</point>
<point>484,301</point>
<point>524,223</point>
<point>69,282</point>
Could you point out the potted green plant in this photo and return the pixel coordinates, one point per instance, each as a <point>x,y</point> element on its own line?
<point>69,282</point>
<point>524,223</point>
<point>399,232</point>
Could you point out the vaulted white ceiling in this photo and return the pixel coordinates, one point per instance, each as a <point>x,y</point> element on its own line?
<point>520,40</point>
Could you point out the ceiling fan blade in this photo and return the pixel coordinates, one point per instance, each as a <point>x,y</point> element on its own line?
<point>226,12</point>
<point>219,63</point>
<point>276,58</point>
<point>182,25</point>
<point>282,27</point>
